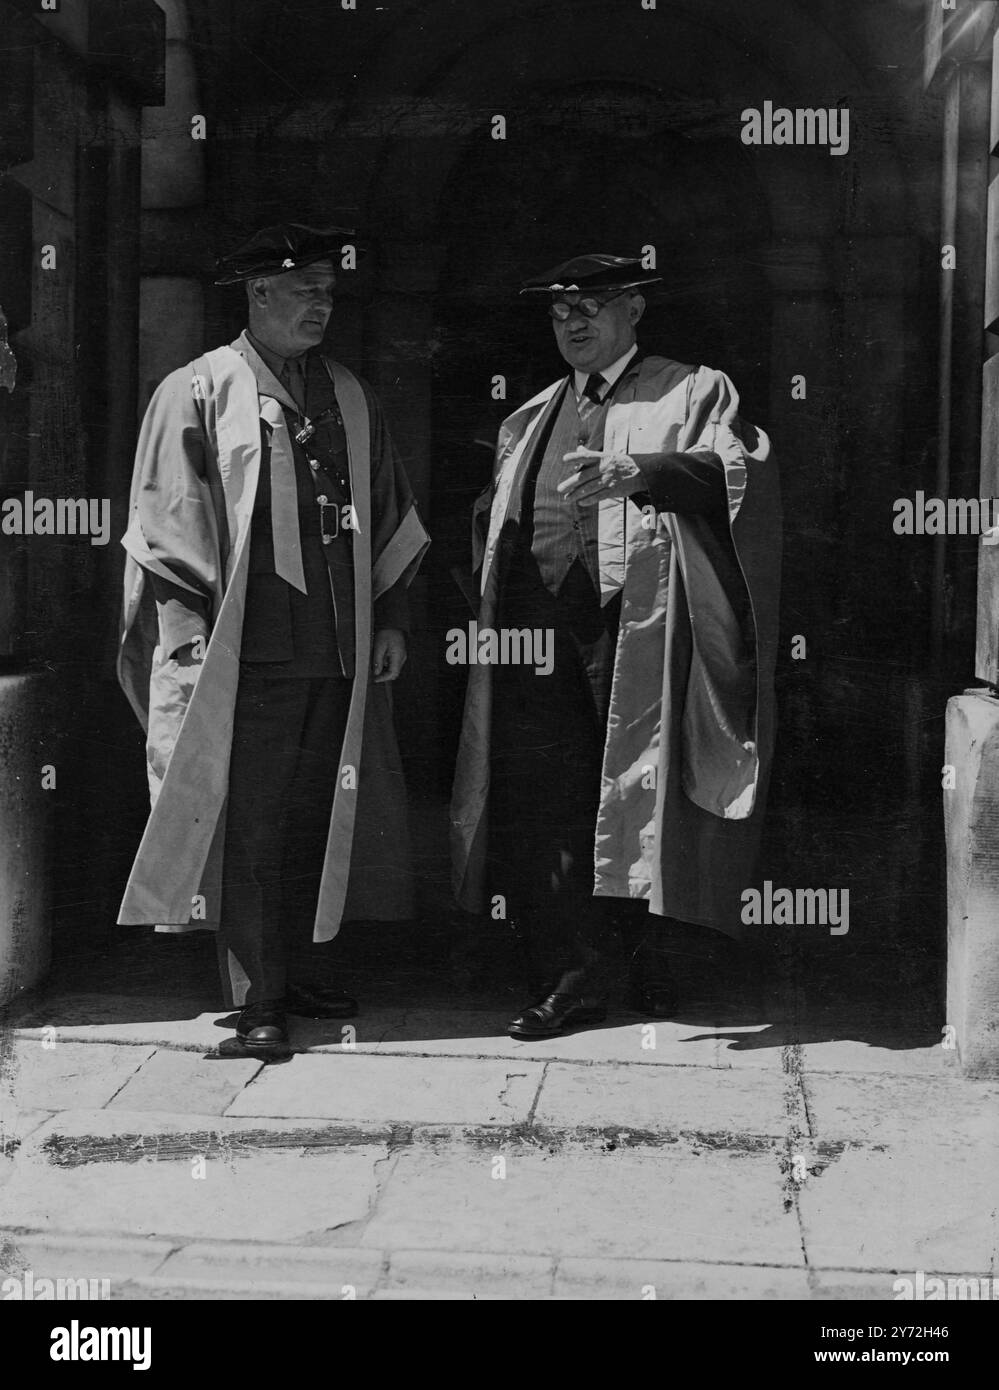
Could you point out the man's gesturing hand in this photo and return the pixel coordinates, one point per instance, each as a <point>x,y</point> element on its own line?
<point>600,475</point>
<point>388,654</point>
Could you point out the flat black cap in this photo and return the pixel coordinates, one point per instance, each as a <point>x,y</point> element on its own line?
<point>595,272</point>
<point>288,246</point>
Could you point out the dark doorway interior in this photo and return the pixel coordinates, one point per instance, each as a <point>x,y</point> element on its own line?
<point>775,262</point>
<point>507,213</point>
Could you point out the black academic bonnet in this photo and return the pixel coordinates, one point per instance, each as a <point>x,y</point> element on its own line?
<point>585,274</point>
<point>287,246</point>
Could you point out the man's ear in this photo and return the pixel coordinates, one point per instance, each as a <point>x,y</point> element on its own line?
<point>256,291</point>
<point>636,307</point>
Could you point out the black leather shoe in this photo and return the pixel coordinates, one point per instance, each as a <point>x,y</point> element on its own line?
<point>554,1015</point>
<point>263,1028</point>
<point>309,1002</point>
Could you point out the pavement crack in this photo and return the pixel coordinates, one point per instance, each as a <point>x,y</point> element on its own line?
<point>793,1162</point>
<point>529,1122</point>
<point>510,1077</point>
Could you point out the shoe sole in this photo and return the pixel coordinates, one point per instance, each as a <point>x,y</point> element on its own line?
<point>236,1049</point>
<point>554,1032</point>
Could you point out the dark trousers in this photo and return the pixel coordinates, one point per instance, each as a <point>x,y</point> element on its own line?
<point>547,750</point>
<point>286,750</point>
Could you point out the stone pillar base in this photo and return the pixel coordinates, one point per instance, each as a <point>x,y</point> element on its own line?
<point>25,929</point>
<point>971,816</point>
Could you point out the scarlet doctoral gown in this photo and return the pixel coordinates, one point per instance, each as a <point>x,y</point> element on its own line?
<point>208,427</point>
<point>691,723</point>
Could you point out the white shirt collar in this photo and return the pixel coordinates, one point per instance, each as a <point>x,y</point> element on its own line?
<point>610,374</point>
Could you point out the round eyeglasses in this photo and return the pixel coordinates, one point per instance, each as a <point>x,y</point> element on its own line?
<point>589,306</point>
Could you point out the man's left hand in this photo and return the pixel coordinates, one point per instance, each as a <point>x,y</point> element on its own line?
<point>600,475</point>
<point>388,654</point>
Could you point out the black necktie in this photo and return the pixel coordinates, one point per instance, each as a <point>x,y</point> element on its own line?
<point>593,389</point>
<point>284,492</point>
<point>590,399</point>
<point>293,380</point>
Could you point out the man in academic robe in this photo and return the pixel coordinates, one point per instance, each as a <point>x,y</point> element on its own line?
<point>272,538</point>
<point>635,518</point>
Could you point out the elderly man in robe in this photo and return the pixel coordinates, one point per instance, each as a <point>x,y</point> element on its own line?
<point>272,538</point>
<point>635,518</point>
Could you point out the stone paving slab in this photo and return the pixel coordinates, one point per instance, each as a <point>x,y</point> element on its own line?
<point>242,1190</point>
<point>665,1205</point>
<point>903,1110</point>
<point>16,1125</point>
<point>185,1083</point>
<point>68,1074</point>
<point>760,1046</point>
<point>849,1055</point>
<point>903,1172</point>
<point>154,1021</point>
<point>915,1207</point>
<point>171,1023</point>
<point>185,1025</point>
<point>78,1137</point>
<point>63,1256</point>
<point>410,1089</point>
<point>700,1100</point>
<point>654,1280</point>
<point>405,1031</point>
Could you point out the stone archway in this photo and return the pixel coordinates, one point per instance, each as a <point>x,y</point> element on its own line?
<point>396,131</point>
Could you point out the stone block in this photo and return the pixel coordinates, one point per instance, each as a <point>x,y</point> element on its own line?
<point>725,1104</point>
<point>185,1084</point>
<point>904,1112</point>
<point>67,1074</point>
<point>414,1090</point>
<point>629,1204</point>
<point>24,833</point>
<point>266,1194</point>
<point>915,1207</point>
<point>971,817</point>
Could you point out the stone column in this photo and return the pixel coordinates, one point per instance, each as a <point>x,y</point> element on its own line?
<point>25,932</point>
<point>971,805</point>
<point>172,308</point>
<point>971,815</point>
